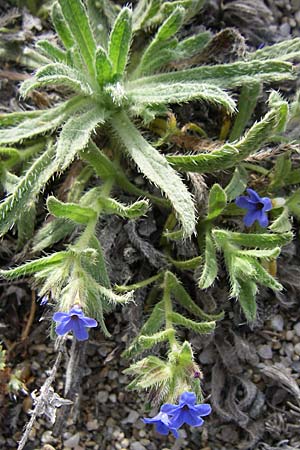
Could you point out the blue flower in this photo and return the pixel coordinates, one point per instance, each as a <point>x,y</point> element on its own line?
<point>187,411</point>
<point>75,321</point>
<point>257,208</point>
<point>162,424</point>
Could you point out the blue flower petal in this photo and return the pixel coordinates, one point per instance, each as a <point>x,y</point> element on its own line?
<point>75,311</point>
<point>80,330</point>
<point>254,197</point>
<point>267,204</point>
<point>59,316</point>
<point>242,202</point>
<point>162,428</point>
<point>250,218</point>
<point>177,420</point>
<point>263,219</point>
<point>64,327</point>
<point>202,410</point>
<point>192,420</point>
<point>169,408</point>
<point>88,322</point>
<point>187,398</point>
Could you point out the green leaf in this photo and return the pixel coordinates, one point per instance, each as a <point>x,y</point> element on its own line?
<point>97,267</point>
<point>210,269</point>
<point>76,133</point>
<point>293,203</point>
<point>144,11</point>
<point>102,15</point>
<point>192,45</point>
<point>61,26</point>
<point>33,267</point>
<point>282,223</point>
<point>225,75</point>
<point>184,299</point>
<point>147,342</point>
<point>237,183</point>
<point>151,59</point>
<point>57,73</point>
<point>111,206</point>
<point>288,49</point>
<point>168,93</point>
<point>280,171</point>
<point>257,253</point>
<point>151,326</point>
<point>263,277</point>
<point>246,105</point>
<point>155,167</point>
<point>198,327</point>
<point>230,155</point>
<point>27,189</point>
<point>261,240</point>
<point>51,233</point>
<point>79,214</point>
<point>216,202</point>
<point>247,300</point>
<point>25,224</point>
<point>51,51</point>
<point>104,68</point>
<point>76,17</point>
<point>119,41</point>
<point>46,120</point>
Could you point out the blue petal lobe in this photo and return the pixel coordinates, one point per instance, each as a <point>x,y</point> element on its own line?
<point>63,327</point>
<point>202,410</point>
<point>192,419</point>
<point>89,322</point>
<point>162,428</point>
<point>263,219</point>
<point>253,195</point>
<point>59,316</point>
<point>177,420</point>
<point>169,408</point>
<point>242,202</point>
<point>250,218</point>
<point>267,204</point>
<point>187,398</point>
<point>79,330</point>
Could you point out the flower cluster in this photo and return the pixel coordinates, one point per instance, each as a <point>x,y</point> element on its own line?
<point>172,417</point>
<point>257,208</point>
<point>75,321</point>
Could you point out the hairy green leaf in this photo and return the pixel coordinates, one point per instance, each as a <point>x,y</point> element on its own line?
<point>155,167</point>
<point>210,269</point>
<point>288,49</point>
<point>216,202</point>
<point>120,40</point>
<point>45,120</point>
<point>76,17</point>
<point>111,206</point>
<point>61,26</point>
<point>34,266</point>
<point>168,93</point>
<point>261,240</point>
<point>104,68</point>
<point>247,293</point>
<point>79,214</point>
<point>237,183</point>
<point>51,51</point>
<point>28,187</point>
<point>198,327</point>
<point>57,74</point>
<point>76,133</point>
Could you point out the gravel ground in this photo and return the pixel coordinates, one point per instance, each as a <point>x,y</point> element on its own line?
<point>251,376</point>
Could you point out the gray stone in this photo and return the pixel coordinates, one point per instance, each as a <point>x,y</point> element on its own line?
<point>285,29</point>
<point>132,417</point>
<point>297,348</point>
<point>277,323</point>
<point>137,446</point>
<point>265,352</point>
<point>297,325</point>
<point>73,441</point>
<point>102,396</point>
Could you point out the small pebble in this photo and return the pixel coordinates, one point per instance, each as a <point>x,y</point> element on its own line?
<point>102,396</point>
<point>137,446</point>
<point>297,325</point>
<point>277,323</point>
<point>297,349</point>
<point>73,441</point>
<point>132,417</point>
<point>265,352</point>
<point>289,335</point>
